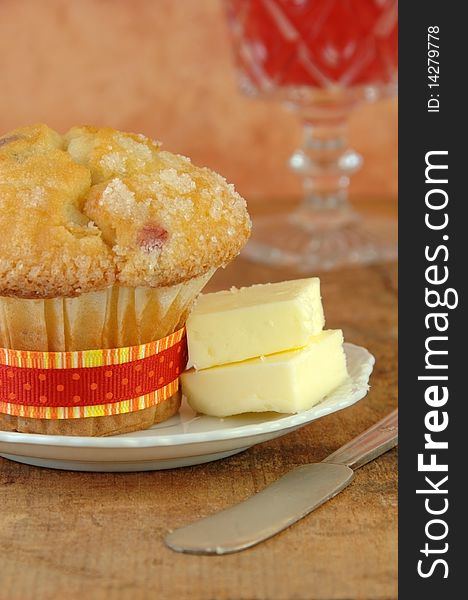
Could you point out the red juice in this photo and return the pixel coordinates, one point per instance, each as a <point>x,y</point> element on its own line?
<point>315,43</point>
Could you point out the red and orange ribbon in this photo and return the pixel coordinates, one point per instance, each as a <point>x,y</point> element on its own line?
<point>90,383</point>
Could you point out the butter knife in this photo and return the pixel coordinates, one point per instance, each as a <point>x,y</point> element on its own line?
<point>287,500</point>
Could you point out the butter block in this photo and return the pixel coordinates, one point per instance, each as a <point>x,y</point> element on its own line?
<point>287,382</point>
<point>236,325</point>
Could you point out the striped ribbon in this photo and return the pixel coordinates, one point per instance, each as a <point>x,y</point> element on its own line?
<point>91,383</point>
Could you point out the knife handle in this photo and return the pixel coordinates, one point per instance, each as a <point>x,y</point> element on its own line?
<point>373,442</point>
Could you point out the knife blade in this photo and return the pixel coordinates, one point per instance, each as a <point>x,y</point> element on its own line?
<point>285,501</point>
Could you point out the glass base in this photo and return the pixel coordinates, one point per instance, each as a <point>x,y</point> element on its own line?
<point>281,240</point>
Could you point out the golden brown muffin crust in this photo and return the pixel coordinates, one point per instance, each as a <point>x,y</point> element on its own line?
<point>98,207</point>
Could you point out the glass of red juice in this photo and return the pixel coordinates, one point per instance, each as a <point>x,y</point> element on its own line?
<point>320,58</point>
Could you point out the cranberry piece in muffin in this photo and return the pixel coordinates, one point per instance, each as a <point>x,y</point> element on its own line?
<point>152,237</point>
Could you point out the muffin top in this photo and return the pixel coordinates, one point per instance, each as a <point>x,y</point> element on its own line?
<point>97,207</point>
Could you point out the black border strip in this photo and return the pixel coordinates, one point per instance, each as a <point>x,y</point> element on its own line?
<point>427,255</point>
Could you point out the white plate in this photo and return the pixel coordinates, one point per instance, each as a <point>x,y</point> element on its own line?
<point>185,439</point>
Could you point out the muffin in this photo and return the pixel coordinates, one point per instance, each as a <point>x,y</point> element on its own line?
<point>106,240</point>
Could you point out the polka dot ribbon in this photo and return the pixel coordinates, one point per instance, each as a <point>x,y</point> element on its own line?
<point>91,383</point>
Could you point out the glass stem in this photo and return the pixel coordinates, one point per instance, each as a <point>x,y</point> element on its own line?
<point>325,164</point>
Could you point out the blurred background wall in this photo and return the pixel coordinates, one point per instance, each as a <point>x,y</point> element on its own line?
<point>163,67</point>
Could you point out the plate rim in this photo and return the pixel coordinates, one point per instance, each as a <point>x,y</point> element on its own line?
<point>116,442</point>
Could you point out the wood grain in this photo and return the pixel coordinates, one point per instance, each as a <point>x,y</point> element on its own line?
<point>100,536</point>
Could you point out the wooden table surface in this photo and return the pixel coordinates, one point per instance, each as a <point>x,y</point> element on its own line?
<point>100,536</point>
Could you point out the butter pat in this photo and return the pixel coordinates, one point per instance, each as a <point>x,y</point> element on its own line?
<point>287,382</point>
<point>236,325</point>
